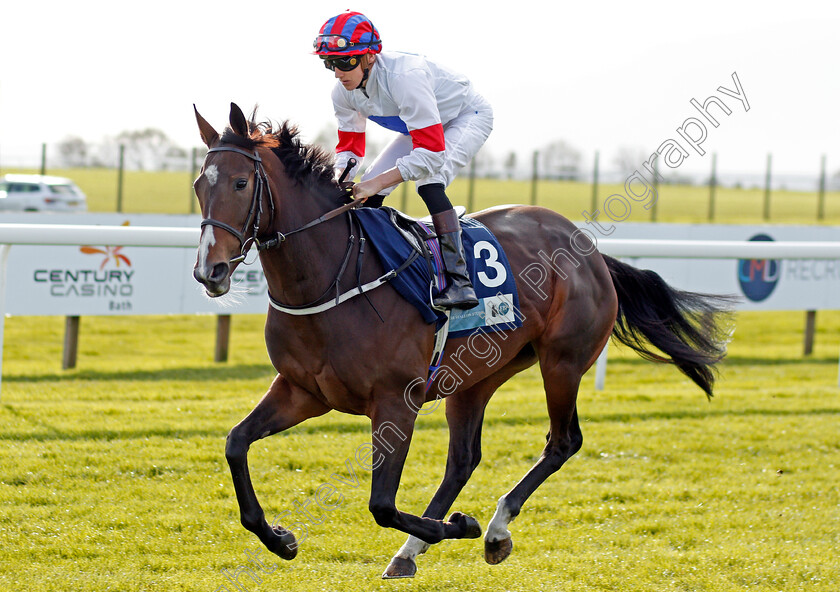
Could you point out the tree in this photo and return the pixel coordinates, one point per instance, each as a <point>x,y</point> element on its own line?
<point>485,164</point>
<point>327,137</point>
<point>510,165</point>
<point>560,160</point>
<point>630,158</point>
<point>73,152</point>
<point>146,150</point>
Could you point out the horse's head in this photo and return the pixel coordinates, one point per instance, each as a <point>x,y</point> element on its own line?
<point>233,192</point>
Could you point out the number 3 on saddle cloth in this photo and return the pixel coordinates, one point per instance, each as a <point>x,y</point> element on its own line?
<point>396,237</point>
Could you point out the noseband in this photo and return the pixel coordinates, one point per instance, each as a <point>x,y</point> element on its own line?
<point>255,211</point>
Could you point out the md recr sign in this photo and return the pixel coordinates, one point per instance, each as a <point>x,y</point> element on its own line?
<point>761,284</point>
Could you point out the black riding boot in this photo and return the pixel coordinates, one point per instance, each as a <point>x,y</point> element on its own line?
<point>460,292</point>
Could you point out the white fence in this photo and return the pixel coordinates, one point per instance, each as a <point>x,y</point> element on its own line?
<point>113,283</point>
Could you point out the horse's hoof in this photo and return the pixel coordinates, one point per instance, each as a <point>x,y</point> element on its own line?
<point>497,551</point>
<point>470,526</point>
<point>282,543</point>
<point>400,568</point>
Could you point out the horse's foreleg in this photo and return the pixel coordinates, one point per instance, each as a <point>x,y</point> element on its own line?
<point>282,407</point>
<point>393,426</point>
<point>464,415</point>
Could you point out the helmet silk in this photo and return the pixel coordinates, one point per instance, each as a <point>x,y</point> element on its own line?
<point>349,33</point>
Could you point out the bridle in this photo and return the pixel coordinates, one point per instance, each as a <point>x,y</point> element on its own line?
<point>255,211</point>
<point>276,239</point>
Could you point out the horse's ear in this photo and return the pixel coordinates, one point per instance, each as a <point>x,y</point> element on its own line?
<point>238,123</point>
<point>208,134</point>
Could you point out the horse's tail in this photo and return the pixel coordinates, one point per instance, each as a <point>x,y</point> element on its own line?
<point>682,325</point>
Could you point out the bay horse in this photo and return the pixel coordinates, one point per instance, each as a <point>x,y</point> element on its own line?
<point>261,186</point>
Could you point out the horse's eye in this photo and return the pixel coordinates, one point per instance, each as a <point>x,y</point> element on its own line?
<point>241,184</point>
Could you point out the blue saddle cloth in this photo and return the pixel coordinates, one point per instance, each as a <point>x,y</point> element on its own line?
<point>492,278</point>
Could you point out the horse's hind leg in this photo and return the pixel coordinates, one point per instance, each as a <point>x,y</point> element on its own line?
<point>561,380</point>
<point>282,407</point>
<point>464,414</point>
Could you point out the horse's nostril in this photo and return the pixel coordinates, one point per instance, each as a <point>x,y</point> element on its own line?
<point>219,273</point>
<point>216,275</point>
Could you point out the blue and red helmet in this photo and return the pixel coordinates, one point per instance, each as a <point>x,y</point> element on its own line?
<point>349,33</point>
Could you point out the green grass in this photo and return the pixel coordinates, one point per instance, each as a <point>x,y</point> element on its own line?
<point>171,193</point>
<point>112,475</point>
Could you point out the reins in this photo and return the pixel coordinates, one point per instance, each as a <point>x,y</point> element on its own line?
<point>281,236</point>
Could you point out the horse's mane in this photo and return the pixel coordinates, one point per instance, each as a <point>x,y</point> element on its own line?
<point>303,162</point>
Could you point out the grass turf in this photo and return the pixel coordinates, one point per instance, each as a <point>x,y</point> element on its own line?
<point>112,476</point>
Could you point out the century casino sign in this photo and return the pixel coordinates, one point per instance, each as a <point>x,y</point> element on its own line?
<point>111,279</point>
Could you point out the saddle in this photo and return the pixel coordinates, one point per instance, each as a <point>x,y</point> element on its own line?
<point>420,234</point>
<point>416,227</point>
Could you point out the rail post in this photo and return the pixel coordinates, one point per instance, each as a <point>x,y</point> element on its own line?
<point>193,174</point>
<point>810,330</point>
<point>120,167</point>
<point>767,188</point>
<point>222,338</point>
<point>71,343</point>
<point>655,205</point>
<point>821,195</point>
<point>594,204</point>
<point>471,188</point>
<point>712,187</point>
<point>534,177</point>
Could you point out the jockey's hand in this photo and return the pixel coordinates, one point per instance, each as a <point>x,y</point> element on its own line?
<point>374,185</point>
<point>364,189</point>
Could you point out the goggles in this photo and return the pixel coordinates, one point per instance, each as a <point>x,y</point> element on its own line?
<point>338,43</point>
<point>343,63</point>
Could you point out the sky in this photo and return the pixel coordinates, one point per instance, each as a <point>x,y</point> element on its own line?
<point>601,76</point>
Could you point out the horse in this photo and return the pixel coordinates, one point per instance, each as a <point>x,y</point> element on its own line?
<point>261,186</point>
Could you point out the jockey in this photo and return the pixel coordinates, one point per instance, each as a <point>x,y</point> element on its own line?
<point>442,123</point>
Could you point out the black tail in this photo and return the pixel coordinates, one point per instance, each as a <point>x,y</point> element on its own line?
<point>683,325</point>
